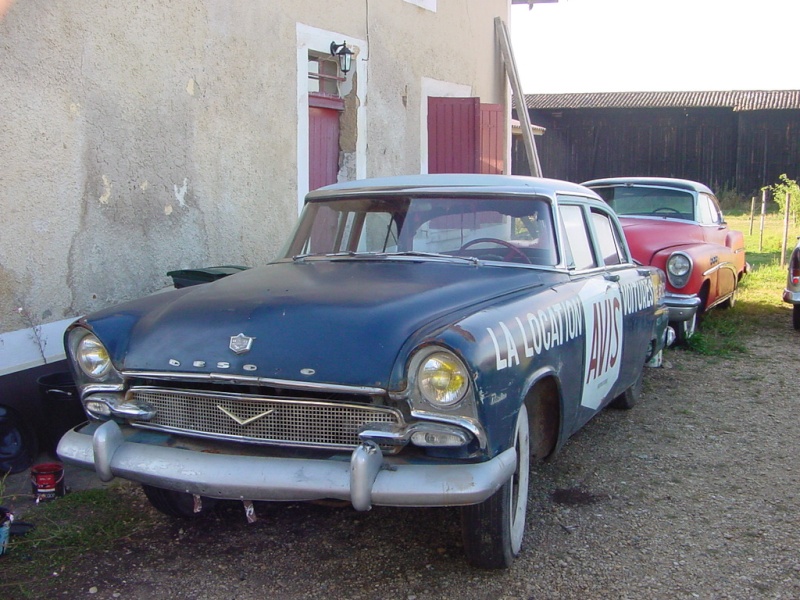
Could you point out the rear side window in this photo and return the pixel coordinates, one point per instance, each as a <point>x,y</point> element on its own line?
<point>577,237</point>
<point>611,248</point>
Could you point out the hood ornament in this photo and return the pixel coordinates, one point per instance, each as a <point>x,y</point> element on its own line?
<point>241,343</point>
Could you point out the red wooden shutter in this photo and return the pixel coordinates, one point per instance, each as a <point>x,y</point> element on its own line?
<point>492,151</point>
<point>453,135</point>
<point>465,136</point>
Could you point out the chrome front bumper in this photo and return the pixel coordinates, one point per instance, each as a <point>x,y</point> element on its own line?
<point>791,297</point>
<point>368,478</point>
<point>681,307</point>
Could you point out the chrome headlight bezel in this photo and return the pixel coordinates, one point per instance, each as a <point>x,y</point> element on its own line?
<point>90,357</point>
<point>679,269</point>
<point>439,378</point>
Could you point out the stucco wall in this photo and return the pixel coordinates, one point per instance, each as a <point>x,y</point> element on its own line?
<point>141,137</point>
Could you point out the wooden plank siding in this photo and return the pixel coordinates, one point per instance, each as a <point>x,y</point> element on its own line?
<point>723,148</point>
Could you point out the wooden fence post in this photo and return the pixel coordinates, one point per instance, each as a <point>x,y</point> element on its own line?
<point>763,213</point>
<point>752,213</point>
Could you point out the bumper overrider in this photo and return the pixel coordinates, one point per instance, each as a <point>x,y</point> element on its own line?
<point>682,307</point>
<point>368,478</point>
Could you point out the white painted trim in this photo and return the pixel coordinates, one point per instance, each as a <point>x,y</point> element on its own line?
<point>19,349</point>
<point>319,40</point>
<point>434,87</point>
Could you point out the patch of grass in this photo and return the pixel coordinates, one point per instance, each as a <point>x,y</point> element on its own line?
<point>759,306</point>
<point>66,529</point>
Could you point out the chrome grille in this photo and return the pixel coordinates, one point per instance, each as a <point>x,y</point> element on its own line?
<point>261,420</point>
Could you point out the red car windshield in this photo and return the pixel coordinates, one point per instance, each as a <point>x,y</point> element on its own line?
<point>649,201</point>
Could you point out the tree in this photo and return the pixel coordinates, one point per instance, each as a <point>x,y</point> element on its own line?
<point>779,191</point>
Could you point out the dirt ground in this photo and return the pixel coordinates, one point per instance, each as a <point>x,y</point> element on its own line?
<point>692,494</point>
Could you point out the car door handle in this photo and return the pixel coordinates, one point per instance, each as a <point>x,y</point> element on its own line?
<point>611,277</point>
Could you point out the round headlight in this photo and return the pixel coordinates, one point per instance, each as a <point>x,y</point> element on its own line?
<point>92,357</point>
<point>679,267</point>
<point>442,379</point>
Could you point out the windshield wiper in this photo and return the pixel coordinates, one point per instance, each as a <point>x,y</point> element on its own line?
<point>469,259</point>
<point>349,253</point>
<point>382,255</point>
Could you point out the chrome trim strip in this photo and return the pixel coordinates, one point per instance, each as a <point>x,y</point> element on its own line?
<point>727,265</point>
<point>95,388</point>
<point>384,434</point>
<point>307,386</point>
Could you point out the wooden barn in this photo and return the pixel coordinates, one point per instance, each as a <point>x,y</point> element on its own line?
<point>734,141</point>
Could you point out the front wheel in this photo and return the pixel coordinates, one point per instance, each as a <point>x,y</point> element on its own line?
<point>730,302</point>
<point>18,443</point>
<point>177,504</point>
<point>493,530</point>
<point>628,399</point>
<point>684,330</point>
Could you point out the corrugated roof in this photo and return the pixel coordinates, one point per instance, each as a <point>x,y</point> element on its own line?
<point>735,100</point>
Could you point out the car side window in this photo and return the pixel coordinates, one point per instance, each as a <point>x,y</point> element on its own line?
<point>611,248</point>
<point>577,237</point>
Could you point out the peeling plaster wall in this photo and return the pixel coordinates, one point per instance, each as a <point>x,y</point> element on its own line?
<point>143,137</point>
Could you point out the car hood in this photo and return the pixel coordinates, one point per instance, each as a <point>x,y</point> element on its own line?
<point>341,321</point>
<point>647,236</point>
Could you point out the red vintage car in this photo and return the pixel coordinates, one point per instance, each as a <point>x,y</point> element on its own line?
<point>677,226</point>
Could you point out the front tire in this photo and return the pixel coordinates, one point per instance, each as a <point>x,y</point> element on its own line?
<point>684,330</point>
<point>730,302</point>
<point>18,443</point>
<point>493,530</point>
<point>628,399</point>
<point>177,504</point>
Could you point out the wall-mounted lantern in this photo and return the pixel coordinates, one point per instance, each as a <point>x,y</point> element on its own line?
<point>343,54</point>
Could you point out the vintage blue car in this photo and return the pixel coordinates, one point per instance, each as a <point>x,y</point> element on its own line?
<point>419,342</point>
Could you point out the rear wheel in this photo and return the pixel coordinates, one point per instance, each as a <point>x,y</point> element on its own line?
<point>796,316</point>
<point>493,529</point>
<point>18,443</point>
<point>177,504</point>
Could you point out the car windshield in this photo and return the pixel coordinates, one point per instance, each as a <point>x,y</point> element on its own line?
<point>518,230</point>
<point>649,201</point>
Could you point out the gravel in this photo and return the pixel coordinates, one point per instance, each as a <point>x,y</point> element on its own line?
<point>692,494</point>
